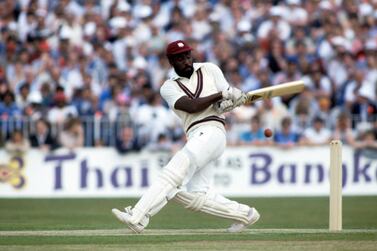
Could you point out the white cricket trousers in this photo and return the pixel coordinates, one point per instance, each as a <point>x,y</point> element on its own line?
<point>205,144</point>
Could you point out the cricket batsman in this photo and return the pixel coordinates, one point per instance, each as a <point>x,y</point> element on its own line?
<point>199,94</point>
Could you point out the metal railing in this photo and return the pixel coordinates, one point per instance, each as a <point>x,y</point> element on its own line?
<point>97,128</point>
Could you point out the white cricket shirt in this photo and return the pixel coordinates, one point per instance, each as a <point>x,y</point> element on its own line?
<point>207,79</point>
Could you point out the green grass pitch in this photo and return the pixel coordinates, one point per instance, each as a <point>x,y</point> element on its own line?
<point>87,224</point>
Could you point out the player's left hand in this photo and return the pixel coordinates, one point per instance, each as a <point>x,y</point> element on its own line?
<point>240,100</point>
<point>223,106</point>
<point>236,95</point>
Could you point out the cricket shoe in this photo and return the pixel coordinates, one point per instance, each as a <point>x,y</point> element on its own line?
<point>253,217</point>
<point>125,217</point>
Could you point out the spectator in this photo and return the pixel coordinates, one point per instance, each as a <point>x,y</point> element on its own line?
<point>61,111</point>
<point>364,107</point>
<point>353,86</point>
<point>83,102</point>
<point>22,98</point>
<point>107,98</point>
<point>47,96</point>
<point>34,109</point>
<point>127,141</point>
<point>291,73</point>
<point>17,144</point>
<point>8,106</point>
<point>42,138</point>
<point>317,82</point>
<point>286,137</point>
<point>343,130</point>
<point>305,42</point>
<point>276,56</point>
<point>369,87</point>
<point>317,134</point>
<point>339,70</point>
<point>367,140</point>
<point>118,106</point>
<point>72,135</point>
<point>255,135</point>
<point>295,13</point>
<point>276,26</point>
<point>326,113</point>
<point>302,118</point>
<point>272,112</point>
<point>303,104</point>
<point>16,71</point>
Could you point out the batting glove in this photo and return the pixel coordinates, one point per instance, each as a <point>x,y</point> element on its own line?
<point>241,100</point>
<point>223,106</point>
<point>236,95</point>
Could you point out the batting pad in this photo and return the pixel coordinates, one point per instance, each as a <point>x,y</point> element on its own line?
<point>214,204</point>
<point>163,189</point>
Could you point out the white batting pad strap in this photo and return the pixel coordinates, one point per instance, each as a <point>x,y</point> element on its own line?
<point>158,194</point>
<point>144,221</point>
<point>197,202</point>
<point>213,204</point>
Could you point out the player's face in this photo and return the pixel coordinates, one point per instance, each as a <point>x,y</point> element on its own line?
<point>183,64</point>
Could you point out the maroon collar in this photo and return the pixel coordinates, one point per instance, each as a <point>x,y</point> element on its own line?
<point>199,86</point>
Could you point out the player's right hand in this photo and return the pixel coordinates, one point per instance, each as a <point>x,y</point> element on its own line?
<point>228,93</point>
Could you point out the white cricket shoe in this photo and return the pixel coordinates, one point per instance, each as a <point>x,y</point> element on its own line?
<point>239,226</point>
<point>125,217</point>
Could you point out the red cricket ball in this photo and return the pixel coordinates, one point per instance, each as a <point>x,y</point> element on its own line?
<point>268,132</point>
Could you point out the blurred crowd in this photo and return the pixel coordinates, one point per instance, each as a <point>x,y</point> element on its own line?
<point>87,73</point>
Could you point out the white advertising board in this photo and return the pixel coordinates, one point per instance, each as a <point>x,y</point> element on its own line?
<point>241,171</point>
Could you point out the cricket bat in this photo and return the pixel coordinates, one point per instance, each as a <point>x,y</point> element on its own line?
<point>274,91</point>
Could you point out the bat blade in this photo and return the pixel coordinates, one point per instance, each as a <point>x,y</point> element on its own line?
<point>274,91</point>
